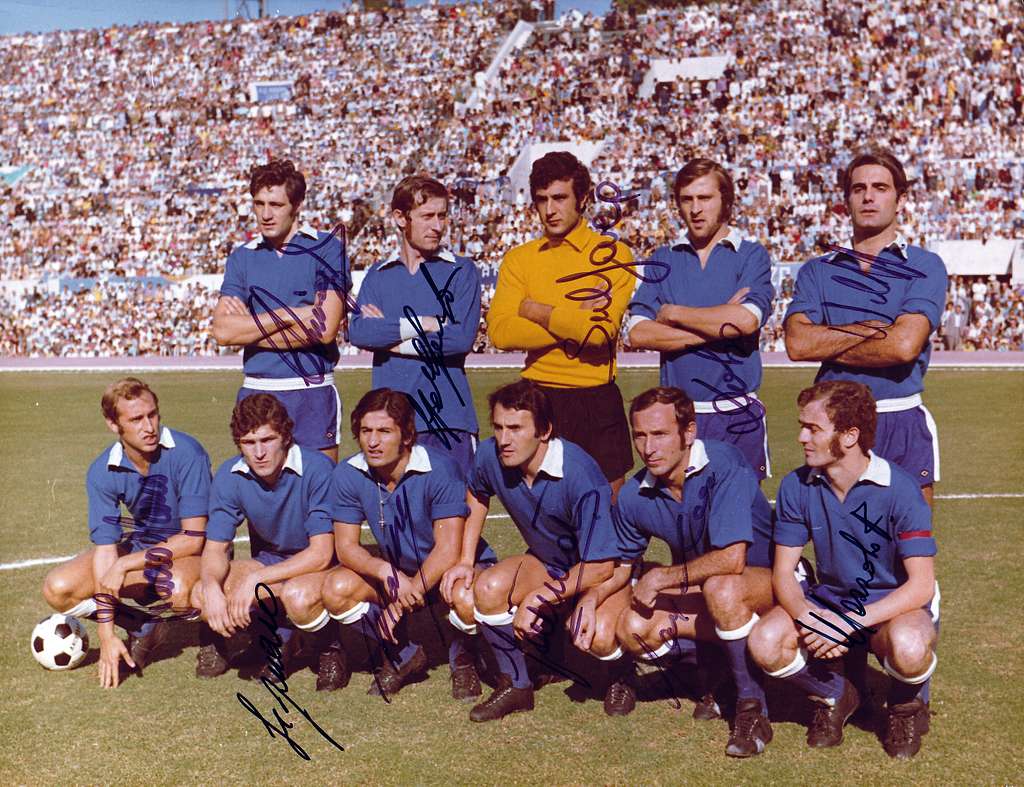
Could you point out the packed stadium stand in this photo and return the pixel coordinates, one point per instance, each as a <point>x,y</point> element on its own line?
<point>125,151</point>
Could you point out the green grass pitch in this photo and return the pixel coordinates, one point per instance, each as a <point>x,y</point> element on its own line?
<point>169,728</point>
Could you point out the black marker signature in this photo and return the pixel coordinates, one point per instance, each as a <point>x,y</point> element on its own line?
<point>326,279</point>
<point>858,595</point>
<point>278,688</point>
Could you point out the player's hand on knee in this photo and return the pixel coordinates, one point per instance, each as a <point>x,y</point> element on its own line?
<point>215,610</point>
<point>404,590</point>
<point>528,623</point>
<point>112,650</point>
<point>645,594</point>
<point>582,624</point>
<point>112,581</point>
<point>240,603</point>
<point>457,573</point>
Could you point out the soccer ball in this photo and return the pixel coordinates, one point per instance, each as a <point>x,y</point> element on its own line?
<point>59,642</point>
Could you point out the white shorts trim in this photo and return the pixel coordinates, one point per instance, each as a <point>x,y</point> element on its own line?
<point>934,430</point>
<point>285,383</point>
<point>899,404</point>
<point>723,405</point>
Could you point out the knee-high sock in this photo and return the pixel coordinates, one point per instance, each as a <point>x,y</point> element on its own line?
<point>499,634</point>
<point>812,676</point>
<point>745,674</point>
<point>135,622</point>
<point>399,654</point>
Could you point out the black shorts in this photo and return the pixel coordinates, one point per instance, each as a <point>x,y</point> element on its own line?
<point>595,419</point>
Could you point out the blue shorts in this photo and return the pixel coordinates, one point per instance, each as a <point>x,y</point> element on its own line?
<point>461,450</point>
<point>909,439</point>
<point>742,429</point>
<point>315,411</point>
<point>834,600</point>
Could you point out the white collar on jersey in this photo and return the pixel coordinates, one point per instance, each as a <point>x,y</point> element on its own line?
<point>899,245</point>
<point>419,461</point>
<point>292,462</point>
<point>554,459</point>
<point>306,229</point>
<point>734,239</point>
<point>441,254</point>
<point>116,454</point>
<point>698,461</point>
<point>877,472</point>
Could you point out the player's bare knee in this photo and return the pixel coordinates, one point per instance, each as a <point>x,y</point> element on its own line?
<point>910,650</point>
<point>605,635</point>
<point>339,590</point>
<point>463,602</point>
<point>724,597</point>
<point>631,630</point>
<point>58,590</point>
<point>490,592</point>
<point>298,598</point>
<point>770,638</point>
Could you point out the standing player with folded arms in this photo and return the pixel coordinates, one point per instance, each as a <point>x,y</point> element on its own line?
<point>283,300</point>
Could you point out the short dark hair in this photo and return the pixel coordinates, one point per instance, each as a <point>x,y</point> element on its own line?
<point>525,395</point>
<point>261,409</point>
<point>882,158</point>
<point>676,397</point>
<point>560,165</point>
<point>414,190</point>
<point>395,403</point>
<point>698,168</point>
<point>127,388</point>
<point>848,405</point>
<point>279,172</point>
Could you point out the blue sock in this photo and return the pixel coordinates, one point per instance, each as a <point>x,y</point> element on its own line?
<point>855,666</point>
<point>817,680</point>
<point>328,637</point>
<point>745,673</point>
<point>510,658</point>
<point>136,623</point>
<point>406,653</point>
<point>459,651</point>
<point>285,632</point>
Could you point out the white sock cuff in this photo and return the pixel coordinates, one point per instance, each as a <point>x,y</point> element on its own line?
<point>318,623</point>
<point>354,615</point>
<point>793,667</point>
<point>663,650</point>
<point>741,632</point>
<point>916,680</point>
<point>83,609</point>
<point>497,619</point>
<point>615,655</point>
<point>457,622</point>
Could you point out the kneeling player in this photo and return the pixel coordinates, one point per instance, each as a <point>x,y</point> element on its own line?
<point>559,499</point>
<point>163,478</point>
<point>702,498</point>
<point>414,500</point>
<point>874,553</point>
<point>281,489</point>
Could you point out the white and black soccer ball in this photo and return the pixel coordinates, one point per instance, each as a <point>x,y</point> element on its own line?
<point>59,642</point>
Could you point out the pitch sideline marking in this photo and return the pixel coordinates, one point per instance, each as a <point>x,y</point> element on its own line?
<point>43,561</point>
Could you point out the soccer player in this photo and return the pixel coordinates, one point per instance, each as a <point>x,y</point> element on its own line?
<point>705,312</point>
<point>283,300</point>
<point>561,298</point>
<point>162,476</point>
<point>560,501</point>
<point>874,555</point>
<point>419,312</point>
<point>702,498</point>
<point>282,490</point>
<point>866,311</point>
<point>414,499</point>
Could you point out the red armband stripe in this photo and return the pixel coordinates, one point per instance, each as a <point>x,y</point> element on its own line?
<point>915,534</point>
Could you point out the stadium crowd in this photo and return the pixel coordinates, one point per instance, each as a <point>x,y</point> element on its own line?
<point>138,158</point>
